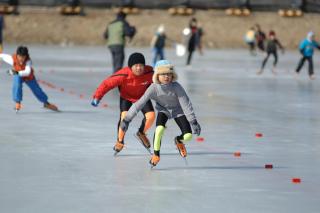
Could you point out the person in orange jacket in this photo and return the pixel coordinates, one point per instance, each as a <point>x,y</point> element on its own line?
<point>132,82</point>
<point>23,72</point>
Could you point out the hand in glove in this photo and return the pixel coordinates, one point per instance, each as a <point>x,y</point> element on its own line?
<point>95,102</point>
<point>124,125</point>
<point>12,72</point>
<point>196,127</point>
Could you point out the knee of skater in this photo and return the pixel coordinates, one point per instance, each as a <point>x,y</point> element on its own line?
<point>150,116</point>
<point>123,114</point>
<point>187,137</point>
<point>160,130</point>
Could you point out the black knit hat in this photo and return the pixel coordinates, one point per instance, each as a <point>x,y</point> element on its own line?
<point>23,51</point>
<point>136,58</point>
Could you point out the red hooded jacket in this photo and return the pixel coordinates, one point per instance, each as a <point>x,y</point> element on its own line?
<point>131,87</point>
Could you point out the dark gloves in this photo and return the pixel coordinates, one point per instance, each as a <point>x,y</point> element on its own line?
<point>95,102</point>
<point>12,72</point>
<point>301,51</point>
<point>124,125</point>
<point>196,127</point>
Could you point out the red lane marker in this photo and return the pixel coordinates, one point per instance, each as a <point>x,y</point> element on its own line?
<point>296,180</point>
<point>199,139</point>
<point>81,96</point>
<point>259,135</point>
<point>104,105</point>
<point>268,166</point>
<point>62,89</point>
<point>237,154</point>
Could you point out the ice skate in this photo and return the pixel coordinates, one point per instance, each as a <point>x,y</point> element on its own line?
<point>181,148</point>
<point>17,107</point>
<point>118,147</point>
<point>154,160</point>
<point>312,77</point>
<point>51,107</point>
<point>259,72</point>
<point>142,138</point>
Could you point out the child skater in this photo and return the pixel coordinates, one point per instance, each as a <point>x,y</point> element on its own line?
<point>306,49</point>
<point>23,72</point>
<point>171,102</point>
<point>271,49</point>
<point>132,81</point>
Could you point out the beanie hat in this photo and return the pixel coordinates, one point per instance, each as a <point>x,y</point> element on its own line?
<point>272,33</point>
<point>136,58</point>
<point>309,35</point>
<point>163,66</point>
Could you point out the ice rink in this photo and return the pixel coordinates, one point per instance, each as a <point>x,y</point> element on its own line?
<point>63,162</point>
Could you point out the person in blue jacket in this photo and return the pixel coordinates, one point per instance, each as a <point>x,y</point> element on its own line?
<point>306,49</point>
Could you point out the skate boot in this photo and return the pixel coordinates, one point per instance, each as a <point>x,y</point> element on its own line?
<point>154,160</point>
<point>17,107</point>
<point>143,140</point>
<point>118,147</point>
<point>50,106</point>
<point>181,148</point>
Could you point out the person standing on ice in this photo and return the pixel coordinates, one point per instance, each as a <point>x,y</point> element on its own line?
<point>23,72</point>
<point>172,102</point>
<point>132,82</point>
<point>272,44</point>
<point>116,34</point>
<point>306,49</point>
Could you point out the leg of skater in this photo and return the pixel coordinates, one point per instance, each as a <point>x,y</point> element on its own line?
<point>120,140</point>
<point>275,56</point>
<point>263,64</point>
<point>300,65</point>
<point>311,73</point>
<point>40,95</point>
<point>160,127</point>
<point>17,91</point>
<point>189,57</point>
<point>124,107</point>
<point>186,135</point>
<point>149,117</point>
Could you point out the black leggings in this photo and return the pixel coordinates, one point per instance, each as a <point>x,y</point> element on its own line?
<point>302,60</point>
<point>181,121</point>
<point>125,106</point>
<point>275,55</point>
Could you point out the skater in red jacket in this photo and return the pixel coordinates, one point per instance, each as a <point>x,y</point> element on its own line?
<point>132,82</point>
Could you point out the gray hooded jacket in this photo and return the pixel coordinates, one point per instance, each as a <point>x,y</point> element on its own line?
<point>170,99</point>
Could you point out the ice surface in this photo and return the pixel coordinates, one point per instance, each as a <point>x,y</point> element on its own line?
<point>63,162</point>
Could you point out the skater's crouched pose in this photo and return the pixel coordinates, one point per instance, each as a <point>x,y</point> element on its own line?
<point>23,72</point>
<point>132,82</point>
<point>171,102</point>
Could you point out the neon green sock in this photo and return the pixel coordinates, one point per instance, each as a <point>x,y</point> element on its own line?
<point>157,137</point>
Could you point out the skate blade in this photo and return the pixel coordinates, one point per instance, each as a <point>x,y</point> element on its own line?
<point>148,149</point>
<point>184,158</point>
<point>185,161</point>
<point>115,154</point>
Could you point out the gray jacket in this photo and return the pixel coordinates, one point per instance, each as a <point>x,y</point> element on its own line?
<point>170,99</point>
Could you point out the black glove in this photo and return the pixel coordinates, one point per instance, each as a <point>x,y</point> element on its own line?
<point>12,72</point>
<point>196,127</point>
<point>301,51</point>
<point>124,125</point>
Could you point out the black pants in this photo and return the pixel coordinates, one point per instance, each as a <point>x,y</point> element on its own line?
<point>181,121</point>
<point>260,45</point>
<point>302,60</point>
<point>125,106</point>
<point>275,55</point>
<point>117,52</point>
